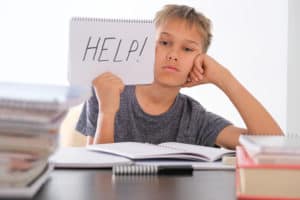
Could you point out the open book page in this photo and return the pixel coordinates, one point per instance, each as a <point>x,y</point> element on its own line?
<point>134,150</point>
<point>208,153</point>
<point>80,157</point>
<point>138,151</point>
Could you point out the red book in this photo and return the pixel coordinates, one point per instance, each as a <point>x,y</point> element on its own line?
<point>265,181</point>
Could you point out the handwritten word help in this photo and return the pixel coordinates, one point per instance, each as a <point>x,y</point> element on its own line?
<point>112,49</point>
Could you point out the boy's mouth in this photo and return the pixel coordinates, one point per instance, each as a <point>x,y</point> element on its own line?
<point>171,68</point>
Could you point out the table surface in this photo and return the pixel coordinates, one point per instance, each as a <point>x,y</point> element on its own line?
<point>100,184</point>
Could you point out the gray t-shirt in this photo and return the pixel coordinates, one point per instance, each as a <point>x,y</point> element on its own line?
<point>186,121</point>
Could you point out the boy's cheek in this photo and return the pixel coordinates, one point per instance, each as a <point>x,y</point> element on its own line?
<point>189,67</point>
<point>185,74</point>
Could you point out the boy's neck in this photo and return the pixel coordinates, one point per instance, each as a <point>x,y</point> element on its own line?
<point>156,99</point>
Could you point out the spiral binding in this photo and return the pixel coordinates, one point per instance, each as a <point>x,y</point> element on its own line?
<point>111,20</point>
<point>135,170</point>
<point>139,179</point>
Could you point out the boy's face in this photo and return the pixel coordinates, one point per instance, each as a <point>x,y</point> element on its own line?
<point>177,45</point>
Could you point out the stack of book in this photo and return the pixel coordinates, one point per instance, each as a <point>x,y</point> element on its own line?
<point>30,118</point>
<point>268,167</point>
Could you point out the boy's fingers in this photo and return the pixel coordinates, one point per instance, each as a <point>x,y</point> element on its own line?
<point>198,62</point>
<point>197,73</point>
<point>188,79</point>
<point>199,70</point>
<point>188,84</point>
<point>194,76</point>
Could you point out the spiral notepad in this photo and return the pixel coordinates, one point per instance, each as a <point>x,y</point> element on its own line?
<point>124,47</point>
<point>152,170</point>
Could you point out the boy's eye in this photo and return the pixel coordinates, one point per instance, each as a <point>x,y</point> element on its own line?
<point>187,49</point>
<point>163,42</point>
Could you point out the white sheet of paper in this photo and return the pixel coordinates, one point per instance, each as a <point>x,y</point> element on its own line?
<point>123,47</point>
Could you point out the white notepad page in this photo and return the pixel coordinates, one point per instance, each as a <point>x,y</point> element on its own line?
<point>123,47</point>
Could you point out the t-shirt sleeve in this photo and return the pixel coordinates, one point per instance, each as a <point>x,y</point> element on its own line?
<point>87,122</point>
<point>210,127</point>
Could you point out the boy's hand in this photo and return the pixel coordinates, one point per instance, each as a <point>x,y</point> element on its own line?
<point>205,70</point>
<point>108,88</point>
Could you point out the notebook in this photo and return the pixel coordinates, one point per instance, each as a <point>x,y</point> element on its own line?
<point>41,97</point>
<point>272,149</point>
<point>167,150</point>
<point>122,46</point>
<point>80,157</point>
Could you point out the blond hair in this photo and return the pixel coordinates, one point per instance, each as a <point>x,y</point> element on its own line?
<point>191,16</point>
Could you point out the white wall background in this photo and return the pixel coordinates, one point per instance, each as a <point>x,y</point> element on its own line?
<point>293,93</point>
<point>250,38</point>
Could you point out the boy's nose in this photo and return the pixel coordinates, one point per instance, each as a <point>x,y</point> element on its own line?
<point>172,58</point>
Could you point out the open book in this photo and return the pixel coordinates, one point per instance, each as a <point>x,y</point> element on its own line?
<point>167,150</point>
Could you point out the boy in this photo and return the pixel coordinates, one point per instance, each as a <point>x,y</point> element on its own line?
<point>158,112</point>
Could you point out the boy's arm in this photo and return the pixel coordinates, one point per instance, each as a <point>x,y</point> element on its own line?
<point>89,140</point>
<point>255,116</point>
<point>108,88</point>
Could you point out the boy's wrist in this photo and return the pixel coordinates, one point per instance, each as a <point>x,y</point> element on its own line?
<point>107,114</point>
<point>105,110</point>
<point>105,128</point>
<point>104,137</point>
<point>226,80</point>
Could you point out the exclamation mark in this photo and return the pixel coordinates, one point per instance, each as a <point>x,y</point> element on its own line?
<point>143,47</point>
